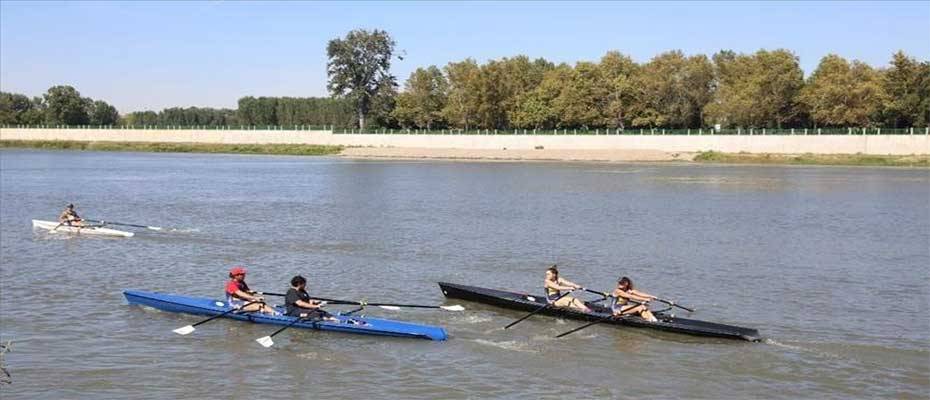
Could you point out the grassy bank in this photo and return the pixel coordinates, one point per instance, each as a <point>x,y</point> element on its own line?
<point>814,159</point>
<point>279,149</point>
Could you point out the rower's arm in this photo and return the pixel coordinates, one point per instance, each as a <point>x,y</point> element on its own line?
<point>569,285</point>
<point>645,296</point>
<point>307,304</point>
<point>245,295</point>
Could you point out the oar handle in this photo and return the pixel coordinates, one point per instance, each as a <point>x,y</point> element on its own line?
<point>673,304</point>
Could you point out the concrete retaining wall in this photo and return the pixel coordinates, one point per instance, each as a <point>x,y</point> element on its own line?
<point>785,144</point>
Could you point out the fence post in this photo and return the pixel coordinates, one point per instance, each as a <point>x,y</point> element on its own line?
<point>912,130</point>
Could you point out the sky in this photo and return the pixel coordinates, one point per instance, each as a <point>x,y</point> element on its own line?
<point>153,55</point>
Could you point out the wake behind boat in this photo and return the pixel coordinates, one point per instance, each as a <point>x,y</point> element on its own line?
<point>666,322</point>
<point>55,227</point>
<point>347,324</point>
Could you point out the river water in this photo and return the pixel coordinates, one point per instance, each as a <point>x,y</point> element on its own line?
<point>829,263</point>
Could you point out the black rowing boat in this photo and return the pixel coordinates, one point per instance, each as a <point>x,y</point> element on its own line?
<point>667,322</point>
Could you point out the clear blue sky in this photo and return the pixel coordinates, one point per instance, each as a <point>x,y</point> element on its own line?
<point>159,54</point>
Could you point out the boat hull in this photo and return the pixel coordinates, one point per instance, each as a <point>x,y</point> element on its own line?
<point>347,324</point>
<point>90,230</point>
<point>524,302</point>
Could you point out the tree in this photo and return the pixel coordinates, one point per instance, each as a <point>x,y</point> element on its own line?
<point>757,90</point>
<point>907,84</point>
<point>423,99</point>
<point>840,93</point>
<point>13,106</point>
<point>359,67</point>
<point>619,73</point>
<point>537,109</point>
<point>583,99</point>
<point>674,90</point>
<point>66,106</point>
<point>463,100</point>
<point>102,113</point>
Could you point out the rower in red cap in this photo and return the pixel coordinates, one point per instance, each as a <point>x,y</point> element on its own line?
<point>240,296</point>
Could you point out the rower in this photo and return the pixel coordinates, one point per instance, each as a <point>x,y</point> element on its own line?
<point>70,217</point>
<point>620,300</point>
<point>239,295</point>
<point>298,304</point>
<point>554,285</point>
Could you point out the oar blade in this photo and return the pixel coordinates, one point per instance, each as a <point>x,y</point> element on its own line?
<point>265,341</point>
<point>184,330</point>
<point>453,308</point>
<point>392,308</point>
<point>155,228</point>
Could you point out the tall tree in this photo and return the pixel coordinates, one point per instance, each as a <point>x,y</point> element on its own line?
<point>674,90</point>
<point>537,109</point>
<point>66,106</point>
<point>463,100</point>
<point>840,93</point>
<point>619,72</point>
<point>582,101</point>
<point>359,67</point>
<point>907,84</point>
<point>102,114</point>
<point>757,90</point>
<point>423,99</point>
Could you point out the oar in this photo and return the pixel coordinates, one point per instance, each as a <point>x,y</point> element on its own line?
<point>56,226</point>
<point>673,304</point>
<point>386,306</point>
<point>538,309</point>
<point>186,330</point>
<point>154,228</point>
<point>607,318</point>
<point>266,341</point>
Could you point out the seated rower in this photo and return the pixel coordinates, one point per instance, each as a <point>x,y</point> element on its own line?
<point>239,295</point>
<point>621,300</point>
<point>554,287</point>
<point>298,303</point>
<point>70,217</point>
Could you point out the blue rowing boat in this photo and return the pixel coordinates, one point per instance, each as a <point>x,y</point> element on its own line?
<point>349,324</point>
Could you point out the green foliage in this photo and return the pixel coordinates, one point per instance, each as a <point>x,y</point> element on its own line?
<point>673,91</point>
<point>424,96</point>
<point>65,106</point>
<point>359,67</point>
<point>907,84</point>
<point>840,93</point>
<point>103,114</point>
<point>757,90</point>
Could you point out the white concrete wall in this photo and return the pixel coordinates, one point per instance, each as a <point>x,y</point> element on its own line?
<point>786,144</point>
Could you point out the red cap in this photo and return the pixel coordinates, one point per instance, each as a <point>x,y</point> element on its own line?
<point>237,270</point>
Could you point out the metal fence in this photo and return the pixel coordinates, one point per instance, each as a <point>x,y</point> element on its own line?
<point>650,131</point>
<point>547,132</point>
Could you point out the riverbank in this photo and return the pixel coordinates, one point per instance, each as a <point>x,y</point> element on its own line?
<point>154,147</point>
<point>922,161</point>
<point>408,153</point>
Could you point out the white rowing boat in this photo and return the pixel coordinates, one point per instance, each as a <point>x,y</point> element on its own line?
<point>85,230</point>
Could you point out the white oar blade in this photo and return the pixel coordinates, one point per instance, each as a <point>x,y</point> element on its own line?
<point>184,330</point>
<point>155,228</point>
<point>453,308</point>
<point>392,308</point>
<point>265,341</point>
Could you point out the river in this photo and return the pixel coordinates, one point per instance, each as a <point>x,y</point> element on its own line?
<point>830,264</point>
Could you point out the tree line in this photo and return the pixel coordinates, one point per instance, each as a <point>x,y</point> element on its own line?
<point>765,89</point>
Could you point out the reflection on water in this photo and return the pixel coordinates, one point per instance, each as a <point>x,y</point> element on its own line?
<point>829,263</point>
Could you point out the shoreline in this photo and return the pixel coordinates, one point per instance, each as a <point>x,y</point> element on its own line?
<point>486,155</point>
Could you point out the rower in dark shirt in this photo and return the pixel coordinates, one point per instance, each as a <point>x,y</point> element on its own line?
<point>298,303</point>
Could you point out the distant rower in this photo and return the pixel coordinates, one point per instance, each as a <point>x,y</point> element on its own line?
<point>70,217</point>
<point>554,287</point>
